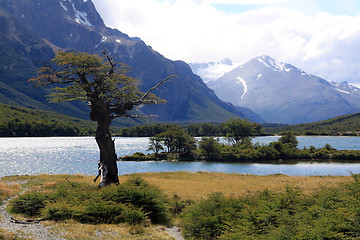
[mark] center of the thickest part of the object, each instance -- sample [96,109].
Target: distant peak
[226,61]
[274,64]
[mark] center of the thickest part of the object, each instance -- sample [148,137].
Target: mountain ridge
[282,93]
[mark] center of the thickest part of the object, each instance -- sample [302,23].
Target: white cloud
[244,2]
[195,31]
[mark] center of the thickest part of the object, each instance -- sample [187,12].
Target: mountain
[212,70]
[76,25]
[282,93]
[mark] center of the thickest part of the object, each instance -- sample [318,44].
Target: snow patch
[259,76]
[276,65]
[103,39]
[63,6]
[262,61]
[242,81]
[342,91]
[81,17]
[118,40]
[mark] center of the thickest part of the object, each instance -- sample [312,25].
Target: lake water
[73,155]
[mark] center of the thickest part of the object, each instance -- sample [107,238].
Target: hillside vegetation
[346,125]
[21,122]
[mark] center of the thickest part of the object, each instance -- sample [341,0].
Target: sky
[321,37]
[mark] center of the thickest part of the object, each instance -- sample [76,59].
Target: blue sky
[322,37]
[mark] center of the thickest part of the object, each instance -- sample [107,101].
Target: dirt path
[26,230]
[174,232]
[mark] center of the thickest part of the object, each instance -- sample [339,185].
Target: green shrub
[331,213]
[29,204]
[133,202]
[142,195]
[208,218]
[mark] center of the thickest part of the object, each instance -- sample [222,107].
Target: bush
[133,202]
[142,195]
[29,204]
[331,213]
[208,218]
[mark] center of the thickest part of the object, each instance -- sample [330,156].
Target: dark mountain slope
[75,24]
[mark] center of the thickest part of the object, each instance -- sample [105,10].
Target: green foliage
[210,148]
[238,130]
[205,129]
[80,74]
[176,140]
[140,194]
[23,122]
[29,204]
[331,213]
[289,138]
[194,129]
[347,125]
[146,130]
[133,202]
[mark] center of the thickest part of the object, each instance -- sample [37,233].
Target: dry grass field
[199,185]
[186,185]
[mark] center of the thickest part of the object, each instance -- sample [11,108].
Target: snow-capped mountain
[212,70]
[282,93]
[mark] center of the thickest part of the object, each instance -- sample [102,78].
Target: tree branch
[110,60]
[141,100]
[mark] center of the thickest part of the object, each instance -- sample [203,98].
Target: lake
[79,155]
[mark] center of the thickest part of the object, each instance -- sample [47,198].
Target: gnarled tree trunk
[108,169]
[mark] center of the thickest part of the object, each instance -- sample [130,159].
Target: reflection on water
[72,155]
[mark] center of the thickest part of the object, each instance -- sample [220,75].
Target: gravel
[26,230]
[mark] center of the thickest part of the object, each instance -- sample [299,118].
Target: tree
[238,130]
[176,140]
[289,138]
[109,92]
[210,148]
[155,144]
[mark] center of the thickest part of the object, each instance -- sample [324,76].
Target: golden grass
[7,190]
[5,235]
[199,185]
[74,230]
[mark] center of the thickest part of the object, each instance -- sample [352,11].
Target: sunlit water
[73,155]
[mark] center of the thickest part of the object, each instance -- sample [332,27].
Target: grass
[5,235]
[199,185]
[73,230]
[7,190]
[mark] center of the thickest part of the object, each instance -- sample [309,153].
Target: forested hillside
[346,125]
[20,122]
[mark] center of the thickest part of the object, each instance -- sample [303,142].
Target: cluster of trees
[176,143]
[33,128]
[194,129]
[146,130]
